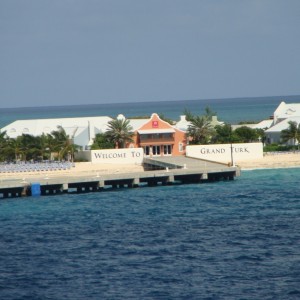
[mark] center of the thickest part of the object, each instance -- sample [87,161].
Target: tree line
[200,131]
[56,145]
[59,146]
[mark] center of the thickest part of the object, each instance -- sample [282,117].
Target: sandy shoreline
[272,161]
[79,170]
[269,161]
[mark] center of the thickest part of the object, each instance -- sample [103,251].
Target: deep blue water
[228,240]
[228,110]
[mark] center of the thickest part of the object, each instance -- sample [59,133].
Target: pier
[158,171]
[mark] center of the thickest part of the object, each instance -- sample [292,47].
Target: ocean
[231,111]
[223,240]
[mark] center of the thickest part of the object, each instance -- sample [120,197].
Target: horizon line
[148,101]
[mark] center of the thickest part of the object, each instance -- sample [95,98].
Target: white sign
[118,156]
[226,153]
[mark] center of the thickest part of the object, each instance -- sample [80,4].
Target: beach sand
[80,169]
[272,161]
[269,161]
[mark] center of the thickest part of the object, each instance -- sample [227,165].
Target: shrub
[276,147]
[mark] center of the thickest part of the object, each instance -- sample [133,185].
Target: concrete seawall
[188,171]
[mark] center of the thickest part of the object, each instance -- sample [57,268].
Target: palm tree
[291,133]
[15,146]
[63,144]
[119,132]
[188,114]
[4,147]
[209,113]
[31,147]
[200,130]
[45,145]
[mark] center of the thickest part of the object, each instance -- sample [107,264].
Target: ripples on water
[226,240]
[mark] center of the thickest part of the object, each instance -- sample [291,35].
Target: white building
[285,111]
[283,114]
[183,124]
[81,130]
[265,124]
[135,123]
[273,133]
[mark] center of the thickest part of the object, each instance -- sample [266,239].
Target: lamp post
[298,128]
[231,150]
[231,147]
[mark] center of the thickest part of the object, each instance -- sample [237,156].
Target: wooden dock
[161,171]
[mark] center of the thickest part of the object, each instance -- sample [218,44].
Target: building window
[180,147]
[167,149]
[147,150]
[156,150]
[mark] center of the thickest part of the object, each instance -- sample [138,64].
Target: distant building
[279,121]
[273,133]
[283,114]
[285,111]
[265,124]
[158,137]
[154,135]
[183,124]
[81,130]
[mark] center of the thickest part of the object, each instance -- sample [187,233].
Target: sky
[69,52]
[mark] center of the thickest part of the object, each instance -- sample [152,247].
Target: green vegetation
[200,131]
[188,114]
[246,134]
[119,132]
[223,134]
[63,144]
[57,145]
[291,133]
[209,113]
[101,142]
[279,148]
[60,146]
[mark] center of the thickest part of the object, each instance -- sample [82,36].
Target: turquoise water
[224,240]
[228,110]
